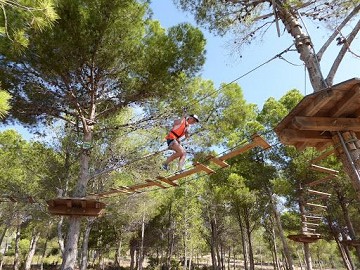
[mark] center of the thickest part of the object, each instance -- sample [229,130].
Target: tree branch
[337,31]
[345,47]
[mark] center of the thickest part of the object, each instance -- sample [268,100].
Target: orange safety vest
[175,134]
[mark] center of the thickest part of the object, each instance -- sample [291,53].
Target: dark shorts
[169,142]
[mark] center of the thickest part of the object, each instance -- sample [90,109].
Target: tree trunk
[349,154]
[3,234]
[85,245]
[348,222]
[213,244]
[133,246]
[71,246]
[344,254]
[275,249]
[303,44]
[248,233]
[29,257]
[118,254]
[141,249]
[17,248]
[286,248]
[44,253]
[304,229]
[243,237]
[60,235]
[170,238]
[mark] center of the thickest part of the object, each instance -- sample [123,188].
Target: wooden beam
[140,186]
[318,102]
[323,169]
[166,180]
[323,156]
[291,136]
[326,123]
[238,151]
[320,181]
[184,174]
[320,193]
[155,183]
[310,229]
[204,168]
[260,142]
[218,161]
[311,224]
[314,217]
[316,205]
[347,100]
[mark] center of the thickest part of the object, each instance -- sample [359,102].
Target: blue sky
[274,79]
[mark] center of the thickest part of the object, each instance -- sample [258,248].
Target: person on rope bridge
[180,129]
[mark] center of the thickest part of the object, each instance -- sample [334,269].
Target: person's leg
[179,153]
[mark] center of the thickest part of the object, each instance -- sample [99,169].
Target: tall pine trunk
[243,237]
[71,245]
[343,252]
[85,245]
[248,233]
[286,249]
[34,239]
[17,247]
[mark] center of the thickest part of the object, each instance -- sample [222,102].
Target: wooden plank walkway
[165,182]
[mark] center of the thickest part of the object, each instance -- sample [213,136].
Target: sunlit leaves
[4,103]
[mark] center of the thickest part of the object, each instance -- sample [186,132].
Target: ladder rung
[317,205]
[323,169]
[316,192]
[218,161]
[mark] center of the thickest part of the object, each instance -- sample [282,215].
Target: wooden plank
[166,180]
[261,142]
[321,99]
[322,146]
[326,123]
[83,203]
[310,229]
[140,186]
[346,101]
[320,181]
[311,224]
[238,151]
[320,193]
[69,203]
[317,205]
[323,156]
[204,168]
[65,211]
[291,136]
[314,217]
[218,161]
[184,174]
[155,183]
[323,169]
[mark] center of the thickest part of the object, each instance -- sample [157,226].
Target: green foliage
[109,43]
[4,103]
[20,17]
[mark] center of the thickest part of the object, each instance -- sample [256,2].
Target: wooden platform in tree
[170,181]
[305,237]
[311,122]
[75,207]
